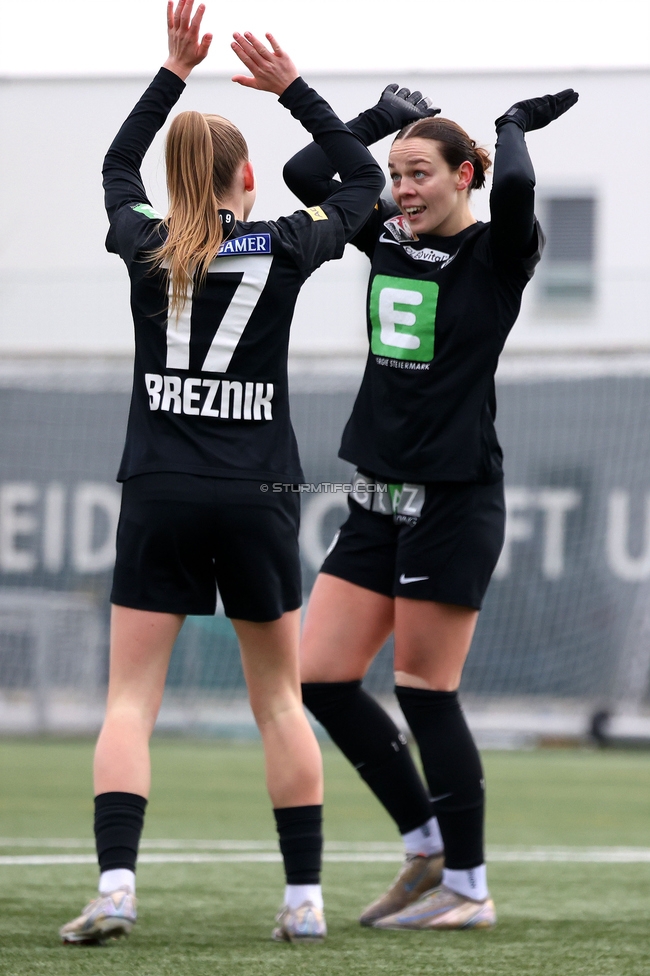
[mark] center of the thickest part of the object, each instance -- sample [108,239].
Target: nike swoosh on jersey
[412,579]
[443,796]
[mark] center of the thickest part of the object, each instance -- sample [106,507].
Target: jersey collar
[228,221]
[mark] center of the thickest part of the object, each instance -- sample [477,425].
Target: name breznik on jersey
[221,399]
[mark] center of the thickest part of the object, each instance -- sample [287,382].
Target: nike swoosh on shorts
[412,579]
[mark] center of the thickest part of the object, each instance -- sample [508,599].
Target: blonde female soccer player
[212,296]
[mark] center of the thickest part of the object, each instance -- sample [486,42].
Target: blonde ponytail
[202,155]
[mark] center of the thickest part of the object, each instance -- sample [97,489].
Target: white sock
[471,883]
[425,840]
[295,895]
[117,878]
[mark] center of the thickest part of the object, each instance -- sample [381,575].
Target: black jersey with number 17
[439,312]
[210,389]
[210,393]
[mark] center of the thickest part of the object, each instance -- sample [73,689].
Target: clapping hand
[535,113]
[407,106]
[272,71]
[185,48]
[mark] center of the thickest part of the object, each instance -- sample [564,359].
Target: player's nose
[405,187]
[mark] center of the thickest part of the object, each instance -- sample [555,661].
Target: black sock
[370,740]
[119,818]
[453,770]
[301,842]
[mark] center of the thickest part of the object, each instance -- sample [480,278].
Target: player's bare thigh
[432,641]
[345,627]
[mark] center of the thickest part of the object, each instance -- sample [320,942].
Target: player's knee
[129,719]
[326,698]
[427,679]
[278,709]
[356,723]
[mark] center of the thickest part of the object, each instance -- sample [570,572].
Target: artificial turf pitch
[554,918]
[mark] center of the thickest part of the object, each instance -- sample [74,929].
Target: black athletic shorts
[429,542]
[180,536]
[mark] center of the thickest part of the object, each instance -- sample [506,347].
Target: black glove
[393,111]
[406,106]
[535,113]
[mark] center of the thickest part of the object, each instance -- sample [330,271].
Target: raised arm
[512,200]
[362,178]
[309,174]
[121,169]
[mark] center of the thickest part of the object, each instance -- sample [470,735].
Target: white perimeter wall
[60,292]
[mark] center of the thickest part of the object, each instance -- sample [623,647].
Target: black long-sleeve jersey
[439,311]
[210,390]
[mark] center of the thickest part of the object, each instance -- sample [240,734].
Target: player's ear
[249,176]
[465,175]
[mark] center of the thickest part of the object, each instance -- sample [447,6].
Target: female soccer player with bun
[212,295]
[426,519]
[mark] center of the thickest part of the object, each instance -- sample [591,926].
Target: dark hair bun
[481,166]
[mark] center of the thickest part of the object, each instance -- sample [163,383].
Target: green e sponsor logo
[403,317]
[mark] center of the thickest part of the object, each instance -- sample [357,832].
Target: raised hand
[272,71]
[535,113]
[185,48]
[407,106]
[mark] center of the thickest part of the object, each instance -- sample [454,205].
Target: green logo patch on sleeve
[148,211]
[403,318]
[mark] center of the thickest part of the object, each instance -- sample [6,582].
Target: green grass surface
[572,919]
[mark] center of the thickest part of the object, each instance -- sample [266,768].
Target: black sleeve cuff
[297,88]
[517,120]
[170,80]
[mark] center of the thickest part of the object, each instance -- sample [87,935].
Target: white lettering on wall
[93,500]
[18,524]
[36,533]
[54,527]
[519,527]
[521,506]
[555,503]
[621,562]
